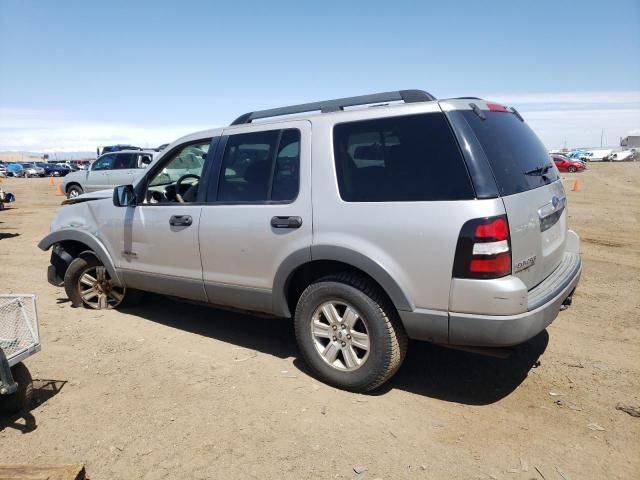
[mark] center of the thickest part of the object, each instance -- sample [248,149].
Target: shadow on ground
[428,369]
[24,421]
[8,235]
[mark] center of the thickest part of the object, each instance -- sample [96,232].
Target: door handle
[286,222]
[180,220]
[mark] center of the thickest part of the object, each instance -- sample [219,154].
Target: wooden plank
[42,472]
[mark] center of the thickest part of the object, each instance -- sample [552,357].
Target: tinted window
[125,160]
[412,158]
[286,174]
[515,153]
[105,162]
[253,162]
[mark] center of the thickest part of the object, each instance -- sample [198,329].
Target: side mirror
[124,196]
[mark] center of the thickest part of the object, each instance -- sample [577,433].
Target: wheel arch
[298,271]
[77,242]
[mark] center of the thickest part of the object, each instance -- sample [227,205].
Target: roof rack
[408,96]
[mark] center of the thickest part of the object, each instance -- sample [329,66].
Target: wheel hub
[340,335]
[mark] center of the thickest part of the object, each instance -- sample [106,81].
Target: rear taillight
[484,249]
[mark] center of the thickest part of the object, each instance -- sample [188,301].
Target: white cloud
[47,131]
[576,118]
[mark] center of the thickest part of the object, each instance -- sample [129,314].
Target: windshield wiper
[541,170]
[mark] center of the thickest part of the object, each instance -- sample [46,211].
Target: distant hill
[19,156]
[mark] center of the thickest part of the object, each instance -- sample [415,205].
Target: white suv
[442,221]
[109,170]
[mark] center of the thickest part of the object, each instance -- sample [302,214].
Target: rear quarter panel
[414,242]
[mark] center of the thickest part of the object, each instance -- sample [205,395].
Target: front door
[157,247]
[258,213]
[98,173]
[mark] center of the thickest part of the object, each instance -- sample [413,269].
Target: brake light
[484,249]
[496,107]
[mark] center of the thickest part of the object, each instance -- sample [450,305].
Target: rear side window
[261,167]
[396,159]
[518,158]
[125,160]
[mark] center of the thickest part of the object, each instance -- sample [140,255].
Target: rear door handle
[180,220]
[286,222]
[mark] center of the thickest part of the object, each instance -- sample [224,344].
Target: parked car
[109,170]
[565,164]
[32,170]
[623,156]
[15,170]
[3,170]
[54,169]
[394,233]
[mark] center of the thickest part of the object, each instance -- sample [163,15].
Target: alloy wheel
[340,335]
[96,289]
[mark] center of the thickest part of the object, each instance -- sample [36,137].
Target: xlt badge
[524,264]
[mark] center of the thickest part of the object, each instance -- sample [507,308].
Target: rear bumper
[545,302]
[498,313]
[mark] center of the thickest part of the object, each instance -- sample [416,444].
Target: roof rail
[408,96]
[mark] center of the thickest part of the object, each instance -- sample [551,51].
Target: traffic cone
[59,191]
[576,186]
[51,183]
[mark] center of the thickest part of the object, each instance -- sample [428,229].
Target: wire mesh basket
[19,329]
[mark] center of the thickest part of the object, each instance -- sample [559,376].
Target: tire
[74,190]
[100,294]
[18,401]
[387,340]
[1,206]
[572,169]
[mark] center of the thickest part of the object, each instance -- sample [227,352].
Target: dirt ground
[172,390]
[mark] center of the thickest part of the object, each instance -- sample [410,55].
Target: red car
[565,164]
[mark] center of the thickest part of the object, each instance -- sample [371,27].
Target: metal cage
[19,328]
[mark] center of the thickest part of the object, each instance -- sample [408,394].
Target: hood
[87,197]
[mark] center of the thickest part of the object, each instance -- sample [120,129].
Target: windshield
[519,160]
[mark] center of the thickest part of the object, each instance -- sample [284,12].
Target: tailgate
[538,227]
[528,182]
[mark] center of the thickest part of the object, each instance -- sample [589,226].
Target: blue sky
[74,74]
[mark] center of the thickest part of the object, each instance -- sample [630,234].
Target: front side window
[105,162]
[260,167]
[395,159]
[178,180]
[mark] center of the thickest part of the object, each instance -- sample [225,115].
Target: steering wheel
[179,185]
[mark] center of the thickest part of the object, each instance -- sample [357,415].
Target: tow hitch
[568,301]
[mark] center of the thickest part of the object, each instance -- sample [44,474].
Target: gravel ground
[174,390]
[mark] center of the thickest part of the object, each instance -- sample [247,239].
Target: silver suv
[410,217]
[109,170]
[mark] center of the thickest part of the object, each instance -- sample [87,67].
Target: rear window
[395,159]
[517,157]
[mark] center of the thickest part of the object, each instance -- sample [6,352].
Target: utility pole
[601,136]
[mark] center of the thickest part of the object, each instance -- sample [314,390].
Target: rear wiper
[538,170]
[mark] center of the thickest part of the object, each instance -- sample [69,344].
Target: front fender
[92,243]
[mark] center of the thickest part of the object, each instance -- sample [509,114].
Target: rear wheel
[73,191]
[349,333]
[20,399]
[88,284]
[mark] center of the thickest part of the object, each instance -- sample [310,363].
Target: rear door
[531,190]
[258,212]
[123,169]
